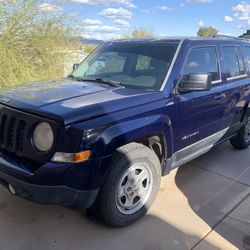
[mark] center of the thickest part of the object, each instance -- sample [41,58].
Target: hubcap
[134,188]
[247,130]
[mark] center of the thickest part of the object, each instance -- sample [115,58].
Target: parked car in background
[128,114]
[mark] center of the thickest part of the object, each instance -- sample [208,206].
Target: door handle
[220,97]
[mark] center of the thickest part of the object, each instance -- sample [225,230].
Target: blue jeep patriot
[128,114]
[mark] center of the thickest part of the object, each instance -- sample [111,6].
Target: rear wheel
[130,187]
[242,139]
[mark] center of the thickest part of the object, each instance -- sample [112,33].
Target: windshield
[142,65]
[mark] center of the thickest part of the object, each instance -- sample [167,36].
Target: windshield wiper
[99,80]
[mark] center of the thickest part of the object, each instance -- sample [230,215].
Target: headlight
[43,137]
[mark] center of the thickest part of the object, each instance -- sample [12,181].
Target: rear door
[235,84]
[200,115]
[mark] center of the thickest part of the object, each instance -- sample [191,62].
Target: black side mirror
[75,65]
[195,82]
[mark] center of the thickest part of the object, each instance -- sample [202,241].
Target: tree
[139,33]
[207,31]
[33,43]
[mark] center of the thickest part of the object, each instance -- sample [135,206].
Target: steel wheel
[247,131]
[134,188]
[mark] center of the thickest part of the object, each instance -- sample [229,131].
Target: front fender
[125,132]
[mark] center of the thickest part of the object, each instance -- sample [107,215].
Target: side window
[241,62]
[202,60]
[143,63]
[233,61]
[248,56]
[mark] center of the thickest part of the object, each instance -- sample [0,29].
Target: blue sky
[107,19]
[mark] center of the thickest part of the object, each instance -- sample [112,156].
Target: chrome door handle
[220,97]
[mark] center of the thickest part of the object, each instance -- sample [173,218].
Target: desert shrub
[139,32]
[89,48]
[33,43]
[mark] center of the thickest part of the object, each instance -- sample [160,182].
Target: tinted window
[241,61]
[233,61]
[248,56]
[202,60]
[141,65]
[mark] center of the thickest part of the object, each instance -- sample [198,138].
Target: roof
[179,39]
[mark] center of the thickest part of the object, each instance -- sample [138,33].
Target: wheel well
[157,144]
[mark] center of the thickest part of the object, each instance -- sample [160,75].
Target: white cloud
[201,23]
[101,28]
[242,11]
[182,5]
[47,7]
[121,22]
[119,13]
[102,32]
[145,11]
[102,36]
[228,19]
[127,3]
[199,1]
[92,21]
[163,7]
[242,26]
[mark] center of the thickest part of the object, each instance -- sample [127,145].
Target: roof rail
[229,37]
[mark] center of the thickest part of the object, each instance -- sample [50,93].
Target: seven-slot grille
[12,132]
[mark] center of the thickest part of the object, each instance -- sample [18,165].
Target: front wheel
[242,139]
[130,186]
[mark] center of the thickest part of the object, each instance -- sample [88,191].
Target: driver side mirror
[195,82]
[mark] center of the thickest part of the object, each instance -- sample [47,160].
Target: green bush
[33,43]
[139,32]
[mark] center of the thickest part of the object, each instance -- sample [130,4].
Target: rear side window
[143,63]
[248,56]
[233,61]
[202,60]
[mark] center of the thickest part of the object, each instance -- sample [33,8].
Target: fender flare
[126,132]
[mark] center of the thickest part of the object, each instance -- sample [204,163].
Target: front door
[200,115]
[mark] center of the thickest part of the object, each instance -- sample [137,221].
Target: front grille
[11,133]
[16,129]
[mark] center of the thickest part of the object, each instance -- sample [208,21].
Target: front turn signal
[71,157]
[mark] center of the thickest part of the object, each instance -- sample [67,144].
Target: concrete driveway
[203,205]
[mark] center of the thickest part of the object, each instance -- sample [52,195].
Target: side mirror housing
[75,65]
[195,82]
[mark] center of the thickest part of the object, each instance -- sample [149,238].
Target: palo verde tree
[33,43]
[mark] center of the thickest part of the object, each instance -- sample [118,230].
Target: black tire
[106,206]
[242,139]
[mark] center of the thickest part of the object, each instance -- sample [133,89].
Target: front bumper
[56,195]
[71,185]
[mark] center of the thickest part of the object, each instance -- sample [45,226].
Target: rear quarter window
[248,57]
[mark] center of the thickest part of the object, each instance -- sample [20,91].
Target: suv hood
[68,101]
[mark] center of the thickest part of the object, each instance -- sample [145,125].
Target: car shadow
[215,185]
[28,226]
